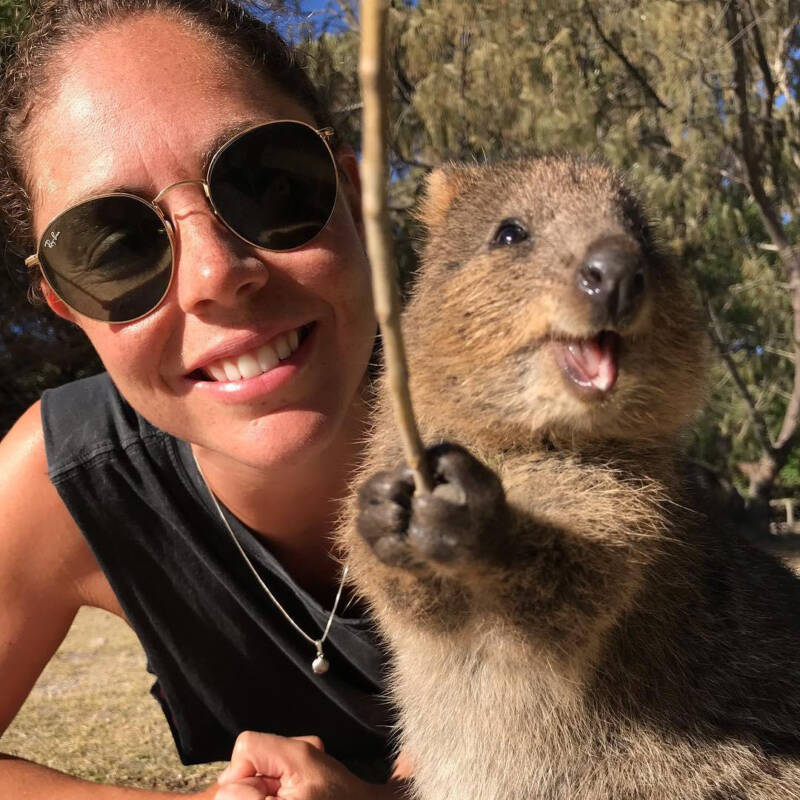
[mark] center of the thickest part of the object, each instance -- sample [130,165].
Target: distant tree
[37,349]
[697,101]
[12,15]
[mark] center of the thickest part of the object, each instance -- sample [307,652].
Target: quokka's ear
[441,186]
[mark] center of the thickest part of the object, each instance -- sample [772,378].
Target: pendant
[320,665]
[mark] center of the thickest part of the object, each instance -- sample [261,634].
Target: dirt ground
[785,546]
[91,714]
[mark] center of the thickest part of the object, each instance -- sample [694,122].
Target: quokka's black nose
[613,276]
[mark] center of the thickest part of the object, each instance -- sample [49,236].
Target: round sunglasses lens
[275,185]
[109,258]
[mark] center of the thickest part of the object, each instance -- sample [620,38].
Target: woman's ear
[350,183]
[56,304]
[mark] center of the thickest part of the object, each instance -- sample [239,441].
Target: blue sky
[313,11]
[315,8]
[313,5]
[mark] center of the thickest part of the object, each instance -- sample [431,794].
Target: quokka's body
[565,621]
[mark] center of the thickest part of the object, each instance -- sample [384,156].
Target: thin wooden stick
[375,182]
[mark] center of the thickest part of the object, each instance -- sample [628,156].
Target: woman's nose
[213,268]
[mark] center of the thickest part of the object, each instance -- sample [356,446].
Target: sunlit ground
[91,713]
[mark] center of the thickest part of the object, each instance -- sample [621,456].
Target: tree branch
[637,74]
[756,417]
[772,459]
[763,63]
[751,153]
[348,11]
[403,84]
[375,177]
[768,101]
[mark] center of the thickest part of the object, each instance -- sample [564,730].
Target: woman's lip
[247,345]
[261,387]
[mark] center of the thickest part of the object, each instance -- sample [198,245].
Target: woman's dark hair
[55,23]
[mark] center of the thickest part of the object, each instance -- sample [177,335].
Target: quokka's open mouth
[592,365]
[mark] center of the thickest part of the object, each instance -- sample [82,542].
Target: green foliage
[12,16]
[648,86]
[790,474]
[37,350]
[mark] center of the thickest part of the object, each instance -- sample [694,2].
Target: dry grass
[91,714]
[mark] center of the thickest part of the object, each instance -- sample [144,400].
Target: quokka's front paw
[455,522]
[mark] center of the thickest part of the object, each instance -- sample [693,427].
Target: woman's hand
[264,766]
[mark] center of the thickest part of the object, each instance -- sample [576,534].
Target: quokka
[565,621]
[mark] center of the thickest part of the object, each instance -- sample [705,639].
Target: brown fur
[606,640]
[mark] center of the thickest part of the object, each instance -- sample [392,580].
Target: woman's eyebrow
[227,133]
[206,154]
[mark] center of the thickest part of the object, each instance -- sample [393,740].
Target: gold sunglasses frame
[33,261]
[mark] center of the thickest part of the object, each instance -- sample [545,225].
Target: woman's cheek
[132,353]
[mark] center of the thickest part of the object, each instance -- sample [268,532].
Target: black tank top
[225,659]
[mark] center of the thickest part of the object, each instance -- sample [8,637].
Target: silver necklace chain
[320,664]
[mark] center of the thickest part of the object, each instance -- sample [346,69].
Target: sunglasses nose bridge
[206,189]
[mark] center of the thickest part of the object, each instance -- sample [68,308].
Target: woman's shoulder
[88,420]
[31,507]
[47,570]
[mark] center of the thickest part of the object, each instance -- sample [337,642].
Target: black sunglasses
[111,257]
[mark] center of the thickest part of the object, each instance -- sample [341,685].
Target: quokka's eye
[509,232]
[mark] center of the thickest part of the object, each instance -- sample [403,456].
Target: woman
[185,212]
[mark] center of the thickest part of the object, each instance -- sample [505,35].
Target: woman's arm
[47,572]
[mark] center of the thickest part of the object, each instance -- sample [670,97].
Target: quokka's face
[545,303]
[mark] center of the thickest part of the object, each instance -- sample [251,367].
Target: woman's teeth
[256,362]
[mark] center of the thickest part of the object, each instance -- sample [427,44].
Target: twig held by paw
[375,178]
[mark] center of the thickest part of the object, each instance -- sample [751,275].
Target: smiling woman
[194,215]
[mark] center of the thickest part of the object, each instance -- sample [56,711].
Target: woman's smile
[256,373]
